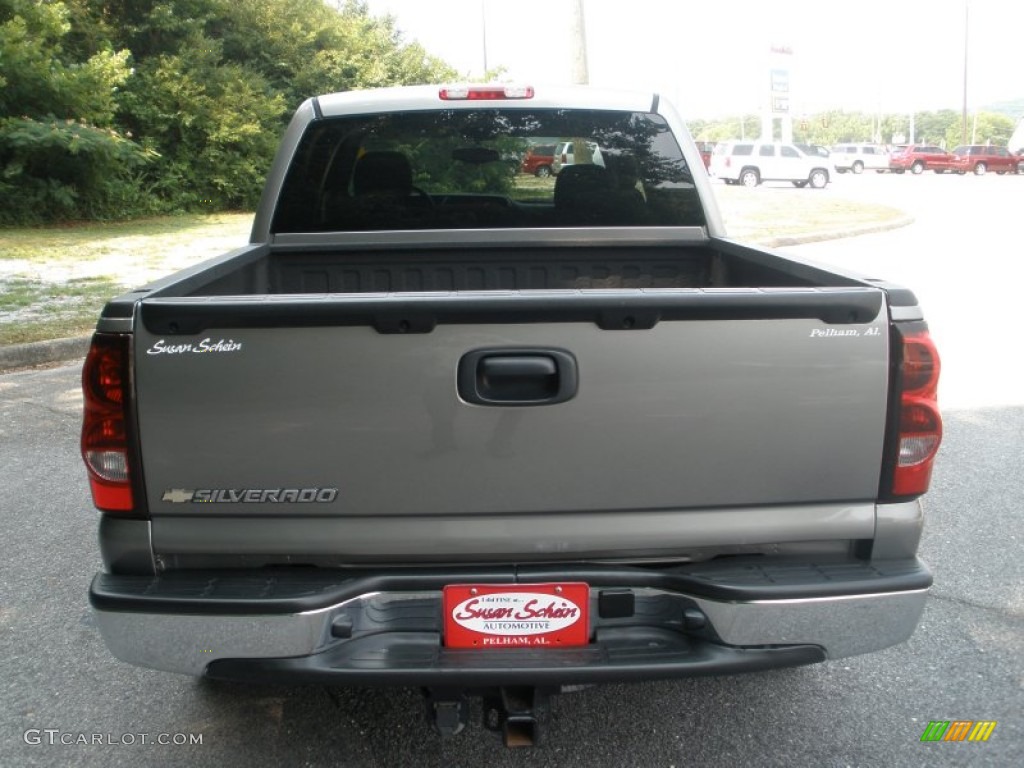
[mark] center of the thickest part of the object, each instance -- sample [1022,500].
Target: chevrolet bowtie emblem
[178,496]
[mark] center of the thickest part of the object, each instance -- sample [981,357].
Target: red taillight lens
[920,367]
[920,425]
[105,445]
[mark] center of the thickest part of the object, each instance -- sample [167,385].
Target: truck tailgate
[683,414]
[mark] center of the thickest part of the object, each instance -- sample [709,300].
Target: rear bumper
[384,627]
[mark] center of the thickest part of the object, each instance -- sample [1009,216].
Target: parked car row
[979,159]
[751,162]
[917,158]
[975,158]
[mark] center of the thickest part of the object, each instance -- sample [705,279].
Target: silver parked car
[857,157]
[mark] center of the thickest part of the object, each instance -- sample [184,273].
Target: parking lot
[66,701]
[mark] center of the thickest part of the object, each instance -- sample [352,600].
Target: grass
[75,242]
[528,185]
[769,214]
[34,310]
[38,297]
[55,280]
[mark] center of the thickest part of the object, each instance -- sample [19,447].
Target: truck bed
[278,271]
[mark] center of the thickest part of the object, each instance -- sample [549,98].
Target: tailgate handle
[517,377]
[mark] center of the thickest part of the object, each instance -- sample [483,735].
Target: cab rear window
[462,169]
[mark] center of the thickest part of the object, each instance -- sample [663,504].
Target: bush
[214,125]
[61,169]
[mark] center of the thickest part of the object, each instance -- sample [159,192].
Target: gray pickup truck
[448,425]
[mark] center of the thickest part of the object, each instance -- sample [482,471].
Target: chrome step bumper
[385,627]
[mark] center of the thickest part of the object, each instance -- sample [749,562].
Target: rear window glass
[462,169]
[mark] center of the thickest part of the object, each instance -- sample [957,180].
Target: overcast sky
[713,58]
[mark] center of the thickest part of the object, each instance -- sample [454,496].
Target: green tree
[305,48]
[61,155]
[214,125]
[114,107]
[934,127]
[982,128]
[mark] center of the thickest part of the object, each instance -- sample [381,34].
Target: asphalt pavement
[58,681]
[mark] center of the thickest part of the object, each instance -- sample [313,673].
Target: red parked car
[919,157]
[980,159]
[538,160]
[706,148]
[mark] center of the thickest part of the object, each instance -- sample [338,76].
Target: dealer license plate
[516,615]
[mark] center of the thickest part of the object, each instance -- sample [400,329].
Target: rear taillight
[918,424]
[105,444]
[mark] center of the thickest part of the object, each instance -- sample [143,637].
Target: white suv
[564,155]
[751,162]
[857,157]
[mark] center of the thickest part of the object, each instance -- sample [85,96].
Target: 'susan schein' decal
[204,347]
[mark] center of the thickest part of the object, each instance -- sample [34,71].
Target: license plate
[516,615]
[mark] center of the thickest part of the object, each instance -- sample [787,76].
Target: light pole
[580,73]
[483,28]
